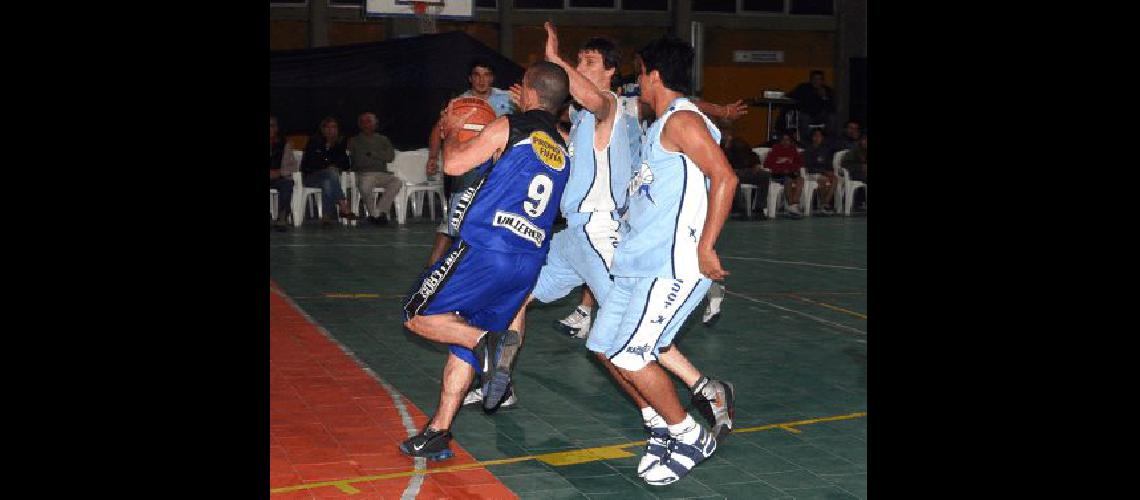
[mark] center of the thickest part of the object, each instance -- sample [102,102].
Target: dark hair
[611,56]
[551,83]
[849,122]
[672,58]
[815,72]
[480,62]
[820,130]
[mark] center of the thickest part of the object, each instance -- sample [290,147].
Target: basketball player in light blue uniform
[679,197]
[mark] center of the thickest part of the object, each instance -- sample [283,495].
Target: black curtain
[859,90]
[405,81]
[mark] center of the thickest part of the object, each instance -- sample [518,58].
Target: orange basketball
[474,124]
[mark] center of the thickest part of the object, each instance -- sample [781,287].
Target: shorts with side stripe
[579,254]
[642,315]
[485,287]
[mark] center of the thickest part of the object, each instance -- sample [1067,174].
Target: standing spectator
[850,136]
[325,156]
[817,160]
[785,162]
[371,153]
[280,174]
[815,105]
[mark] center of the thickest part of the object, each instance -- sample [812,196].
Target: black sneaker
[430,444]
[499,350]
[716,401]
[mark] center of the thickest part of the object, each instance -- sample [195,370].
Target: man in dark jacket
[815,105]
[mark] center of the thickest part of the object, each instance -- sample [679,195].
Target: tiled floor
[792,339]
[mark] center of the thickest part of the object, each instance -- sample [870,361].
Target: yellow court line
[559,458]
[829,306]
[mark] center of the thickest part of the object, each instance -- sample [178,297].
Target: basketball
[474,124]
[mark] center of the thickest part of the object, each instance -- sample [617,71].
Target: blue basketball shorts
[485,287]
[579,254]
[642,315]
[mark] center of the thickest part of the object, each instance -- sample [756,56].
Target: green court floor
[792,339]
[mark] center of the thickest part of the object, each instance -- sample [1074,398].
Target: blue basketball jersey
[598,178]
[668,198]
[512,205]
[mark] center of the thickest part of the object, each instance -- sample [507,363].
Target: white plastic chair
[409,167]
[810,183]
[348,183]
[846,185]
[273,203]
[376,192]
[775,190]
[302,195]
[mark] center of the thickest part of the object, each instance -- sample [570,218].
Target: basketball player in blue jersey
[679,198]
[468,298]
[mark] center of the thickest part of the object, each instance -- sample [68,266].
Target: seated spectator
[325,156]
[855,161]
[371,153]
[746,164]
[849,138]
[817,160]
[281,169]
[815,103]
[785,162]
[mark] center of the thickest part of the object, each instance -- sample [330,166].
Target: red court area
[330,421]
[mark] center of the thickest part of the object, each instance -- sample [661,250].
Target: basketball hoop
[426,16]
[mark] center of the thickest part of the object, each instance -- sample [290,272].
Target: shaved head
[550,82]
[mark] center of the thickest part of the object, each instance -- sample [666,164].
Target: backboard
[463,10]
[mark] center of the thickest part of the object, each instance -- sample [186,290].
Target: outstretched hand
[735,110]
[709,265]
[516,95]
[551,41]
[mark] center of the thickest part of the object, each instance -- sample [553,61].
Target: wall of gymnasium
[723,81]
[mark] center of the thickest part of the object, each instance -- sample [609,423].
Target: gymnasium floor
[792,339]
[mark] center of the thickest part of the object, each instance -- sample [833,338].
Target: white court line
[782,308]
[796,262]
[409,426]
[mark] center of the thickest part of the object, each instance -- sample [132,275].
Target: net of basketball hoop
[426,14]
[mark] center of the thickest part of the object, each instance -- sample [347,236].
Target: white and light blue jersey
[598,179]
[668,199]
[500,101]
[635,127]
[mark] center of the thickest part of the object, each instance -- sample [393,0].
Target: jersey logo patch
[639,185]
[521,226]
[547,150]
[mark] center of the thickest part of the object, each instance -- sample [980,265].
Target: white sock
[652,418]
[684,427]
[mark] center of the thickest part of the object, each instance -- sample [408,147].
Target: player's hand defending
[735,110]
[516,95]
[551,42]
[709,264]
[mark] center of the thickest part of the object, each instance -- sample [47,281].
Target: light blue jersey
[598,178]
[668,199]
[499,99]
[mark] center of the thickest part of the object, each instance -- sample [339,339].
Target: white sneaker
[794,209]
[712,312]
[576,325]
[475,396]
[656,446]
[684,452]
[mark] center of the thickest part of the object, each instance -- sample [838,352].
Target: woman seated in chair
[785,162]
[280,173]
[817,160]
[325,157]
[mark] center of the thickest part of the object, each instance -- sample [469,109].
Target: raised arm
[729,111]
[459,157]
[587,94]
[685,132]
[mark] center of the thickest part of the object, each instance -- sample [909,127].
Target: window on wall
[813,7]
[728,6]
[486,4]
[776,6]
[539,4]
[645,4]
[591,4]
